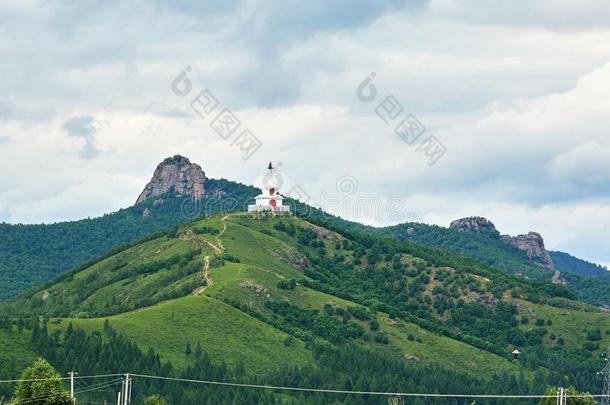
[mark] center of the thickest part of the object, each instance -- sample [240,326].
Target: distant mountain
[567,263]
[524,255]
[483,246]
[532,243]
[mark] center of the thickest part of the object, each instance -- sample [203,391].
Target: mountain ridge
[34,254]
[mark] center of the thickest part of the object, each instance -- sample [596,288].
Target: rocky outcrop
[476,224]
[533,244]
[292,257]
[177,175]
[557,279]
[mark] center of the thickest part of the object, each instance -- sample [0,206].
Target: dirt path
[206,271]
[224,229]
[206,276]
[189,234]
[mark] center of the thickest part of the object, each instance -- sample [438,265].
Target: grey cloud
[82,127]
[197,7]
[549,14]
[295,18]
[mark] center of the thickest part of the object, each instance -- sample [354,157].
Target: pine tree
[198,350]
[48,391]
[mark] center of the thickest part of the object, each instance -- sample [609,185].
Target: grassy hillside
[225,333]
[263,293]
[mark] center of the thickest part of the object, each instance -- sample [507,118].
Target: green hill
[263,294]
[33,254]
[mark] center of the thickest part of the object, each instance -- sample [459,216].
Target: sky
[379,111]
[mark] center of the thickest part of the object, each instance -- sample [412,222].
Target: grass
[225,333]
[430,348]
[571,325]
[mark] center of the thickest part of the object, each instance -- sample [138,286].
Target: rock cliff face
[178,175]
[533,244]
[475,224]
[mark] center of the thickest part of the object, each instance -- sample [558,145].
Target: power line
[57,378]
[100,386]
[92,388]
[377,393]
[107,384]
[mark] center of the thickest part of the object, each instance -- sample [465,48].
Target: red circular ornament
[273,203]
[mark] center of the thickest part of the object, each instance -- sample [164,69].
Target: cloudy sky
[515,93]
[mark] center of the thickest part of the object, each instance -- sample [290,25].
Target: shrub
[288,341]
[382,338]
[594,334]
[287,284]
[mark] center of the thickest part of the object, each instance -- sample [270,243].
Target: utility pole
[129,393]
[606,375]
[127,390]
[562,398]
[71,374]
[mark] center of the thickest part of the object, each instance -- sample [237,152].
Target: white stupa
[269,199]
